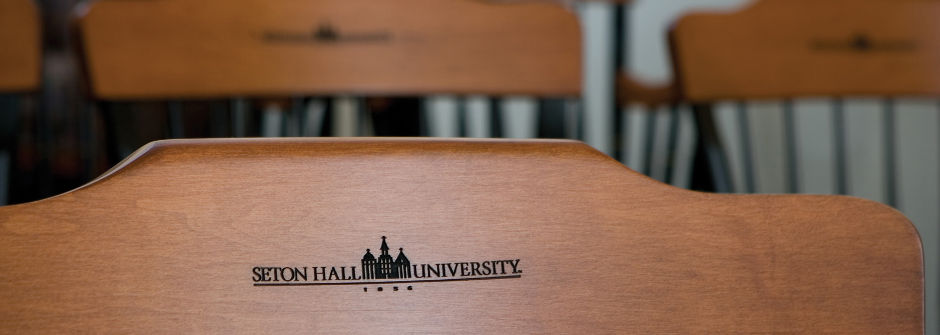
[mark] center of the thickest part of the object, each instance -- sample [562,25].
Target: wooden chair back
[272,235]
[778,49]
[20,54]
[785,49]
[185,49]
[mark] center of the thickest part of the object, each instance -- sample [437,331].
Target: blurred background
[60,132]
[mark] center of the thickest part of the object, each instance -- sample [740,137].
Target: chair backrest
[783,49]
[311,235]
[778,49]
[169,48]
[20,54]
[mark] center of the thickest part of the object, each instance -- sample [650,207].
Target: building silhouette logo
[382,268]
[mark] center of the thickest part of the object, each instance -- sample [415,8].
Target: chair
[443,236]
[798,49]
[300,49]
[19,76]
[793,49]
[19,58]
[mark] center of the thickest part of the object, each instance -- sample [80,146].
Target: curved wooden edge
[329,47]
[172,238]
[156,151]
[632,91]
[20,56]
[790,49]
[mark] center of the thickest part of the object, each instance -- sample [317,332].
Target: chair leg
[174,115]
[9,122]
[672,142]
[314,114]
[711,171]
[111,128]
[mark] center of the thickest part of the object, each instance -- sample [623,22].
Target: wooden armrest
[456,236]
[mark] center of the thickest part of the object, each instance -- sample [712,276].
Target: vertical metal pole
[747,156]
[789,133]
[88,135]
[292,126]
[890,156]
[239,114]
[711,166]
[620,63]
[314,117]
[175,119]
[672,142]
[9,113]
[650,142]
[217,118]
[838,140]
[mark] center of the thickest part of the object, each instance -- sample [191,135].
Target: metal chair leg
[711,172]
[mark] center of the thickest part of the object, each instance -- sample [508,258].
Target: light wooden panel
[167,242]
[836,47]
[170,48]
[20,41]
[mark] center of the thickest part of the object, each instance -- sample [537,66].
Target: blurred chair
[161,50]
[778,49]
[20,49]
[784,49]
[267,235]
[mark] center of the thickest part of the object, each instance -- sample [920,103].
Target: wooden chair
[272,235]
[20,56]
[783,50]
[792,49]
[290,48]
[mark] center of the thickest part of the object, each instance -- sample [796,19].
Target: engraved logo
[398,272]
[862,43]
[325,33]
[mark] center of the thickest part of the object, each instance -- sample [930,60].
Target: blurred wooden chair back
[160,50]
[814,59]
[179,49]
[20,55]
[778,49]
[20,59]
[441,236]
[787,49]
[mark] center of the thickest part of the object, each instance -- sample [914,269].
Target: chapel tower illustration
[384,267]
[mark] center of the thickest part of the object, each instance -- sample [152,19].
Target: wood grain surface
[782,48]
[170,239]
[19,46]
[171,48]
